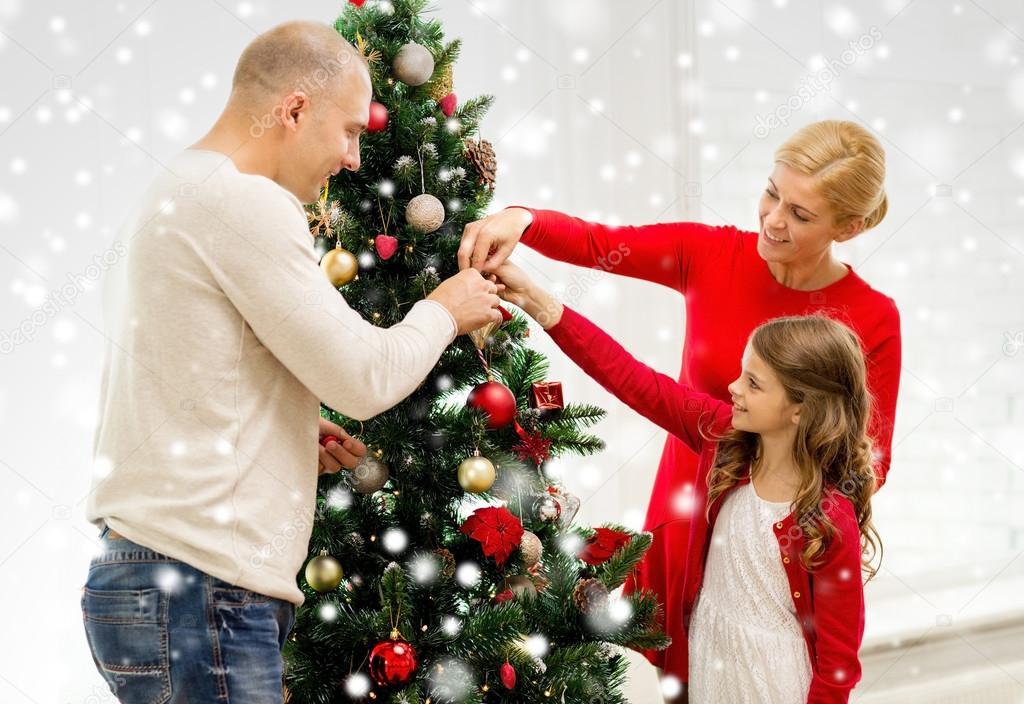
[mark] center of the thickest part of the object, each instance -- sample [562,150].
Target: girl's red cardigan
[829,601]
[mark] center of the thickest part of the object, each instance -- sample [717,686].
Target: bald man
[224,338]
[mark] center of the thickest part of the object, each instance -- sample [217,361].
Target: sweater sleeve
[665,253]
[838,596]
[263,259]
[676,407]
[884,365]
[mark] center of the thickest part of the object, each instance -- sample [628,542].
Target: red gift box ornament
[546,397]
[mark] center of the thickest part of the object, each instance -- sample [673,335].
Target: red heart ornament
[386,246]
[448,104]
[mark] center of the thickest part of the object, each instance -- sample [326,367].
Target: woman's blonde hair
[848,164]
[820,365]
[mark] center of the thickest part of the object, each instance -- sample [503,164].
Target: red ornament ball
[327,438]
[392,662]
[378,121]
[357,3]
[496,400]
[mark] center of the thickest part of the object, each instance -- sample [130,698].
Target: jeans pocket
[128,635]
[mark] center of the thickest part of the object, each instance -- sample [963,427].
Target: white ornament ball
[425,213]
[413,64]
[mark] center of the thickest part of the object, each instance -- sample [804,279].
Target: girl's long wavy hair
[819,362]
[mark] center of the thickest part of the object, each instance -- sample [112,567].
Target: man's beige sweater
[223,338]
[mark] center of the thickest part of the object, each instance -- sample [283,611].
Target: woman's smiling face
[796,223]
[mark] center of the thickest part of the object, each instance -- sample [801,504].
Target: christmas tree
[446,567]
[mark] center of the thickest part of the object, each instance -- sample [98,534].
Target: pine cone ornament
[481,156]
[590,596]
[447,560]
[442,85]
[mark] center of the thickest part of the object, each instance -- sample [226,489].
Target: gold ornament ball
[521,586]
[324,573]
[476,474]
[369,475]
[413,65]
[424,213]
[531,548]
[340,265]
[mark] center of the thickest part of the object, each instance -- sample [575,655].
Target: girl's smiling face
[760,402]
[796,223]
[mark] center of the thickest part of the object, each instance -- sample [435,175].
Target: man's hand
[470,298]
[344,453]
[499,232]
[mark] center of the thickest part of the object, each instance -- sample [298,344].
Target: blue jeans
[162,631]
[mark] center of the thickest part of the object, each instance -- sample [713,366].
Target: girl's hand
[516,287]
[517,284]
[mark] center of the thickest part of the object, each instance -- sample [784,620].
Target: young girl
[773,602]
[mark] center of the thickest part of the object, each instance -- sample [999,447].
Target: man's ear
[296,105]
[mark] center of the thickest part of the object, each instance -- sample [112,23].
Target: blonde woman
[827,186]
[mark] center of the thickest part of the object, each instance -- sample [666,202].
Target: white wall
[621,112]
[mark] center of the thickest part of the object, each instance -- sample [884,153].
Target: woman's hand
[499,232]
[520,290]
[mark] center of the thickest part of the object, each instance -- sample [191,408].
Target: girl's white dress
[745,642]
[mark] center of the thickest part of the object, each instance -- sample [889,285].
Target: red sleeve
[663,253]
[676,407]
[884,365]
[837,592]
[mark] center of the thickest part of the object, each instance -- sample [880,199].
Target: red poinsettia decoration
[603,545]
[497,530]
